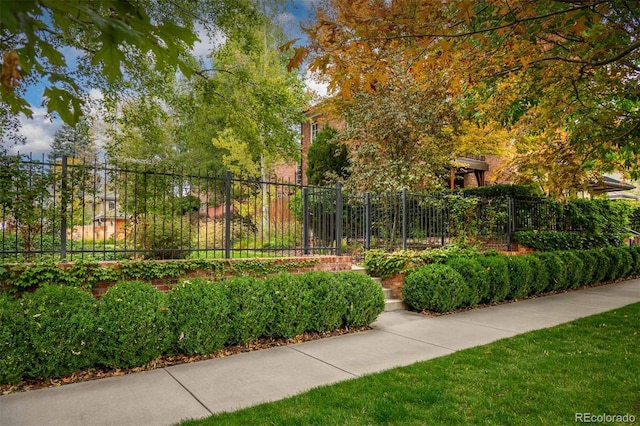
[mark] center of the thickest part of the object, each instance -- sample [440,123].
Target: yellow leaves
[10,73]
[238,158]
[466,11]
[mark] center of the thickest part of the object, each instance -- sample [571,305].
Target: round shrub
[15,355]
[251,307]
[329,304]
[589,262]
[364,297]
[291,304]
[133,325]
[555,267]
[437,288]
[520,277]
[574,268]
[539,274]
[619,263]
[474,275]
[199,316]
[627,261]
[499,286]
[60,327]
[634,251]
[601,265]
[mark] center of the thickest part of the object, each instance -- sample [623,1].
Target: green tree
[73,141]
[328,159]
[110,37]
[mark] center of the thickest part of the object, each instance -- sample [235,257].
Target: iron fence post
[443,218]
[510,222]
[305,219]
[367,221]
[404,218]
[63,211]
[227,215]
[339,219]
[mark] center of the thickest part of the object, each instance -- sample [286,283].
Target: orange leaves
[11,73]
[466,11]
[299,55]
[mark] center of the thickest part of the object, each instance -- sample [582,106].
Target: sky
[40,129]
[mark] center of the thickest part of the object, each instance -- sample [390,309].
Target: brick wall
[321,263]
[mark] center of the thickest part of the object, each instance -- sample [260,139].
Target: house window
[314,130]
[112,205]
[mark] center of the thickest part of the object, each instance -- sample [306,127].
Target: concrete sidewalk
[168,395]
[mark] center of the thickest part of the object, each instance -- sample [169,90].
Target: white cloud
[38,132]
[208,42]
[317,87]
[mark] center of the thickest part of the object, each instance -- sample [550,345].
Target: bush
[164,238]
[437,288]
[199,316]
[589,262]
[134,327]
[619,263]
[508,190]
[474,275]
[574,268]
[251,307]
[601,265]
[499,286]
[15,358]
[539,274]
[380,263]
[555,267]
[291,304]
[60,329]
[569,240]
[329,304]
[627,262]
[365,299]
[520,277]
[635,255]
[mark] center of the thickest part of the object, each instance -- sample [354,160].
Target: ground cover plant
[542,377]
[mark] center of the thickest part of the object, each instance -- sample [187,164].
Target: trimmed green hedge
[555,240]
[60,329]
[199,317]
[442,288]
[133,325]
[476,277]
[437,288]
[498,272]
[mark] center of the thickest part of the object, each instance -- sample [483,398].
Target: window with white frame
[314,130]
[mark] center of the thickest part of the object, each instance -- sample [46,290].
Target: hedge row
[60,329]
[555,240]
[467,281]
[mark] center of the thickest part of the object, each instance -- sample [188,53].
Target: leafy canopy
[109,38]
[561,76]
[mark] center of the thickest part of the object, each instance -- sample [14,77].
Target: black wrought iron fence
[70,209]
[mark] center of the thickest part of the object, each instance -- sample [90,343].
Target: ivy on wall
[18,277]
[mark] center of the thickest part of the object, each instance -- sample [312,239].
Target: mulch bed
[168,361]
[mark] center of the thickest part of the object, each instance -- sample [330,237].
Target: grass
[591,365]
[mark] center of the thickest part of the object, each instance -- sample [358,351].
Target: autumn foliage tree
[561,76]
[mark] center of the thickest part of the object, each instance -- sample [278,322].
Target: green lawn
[590,365]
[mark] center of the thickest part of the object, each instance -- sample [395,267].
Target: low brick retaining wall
[297,265]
